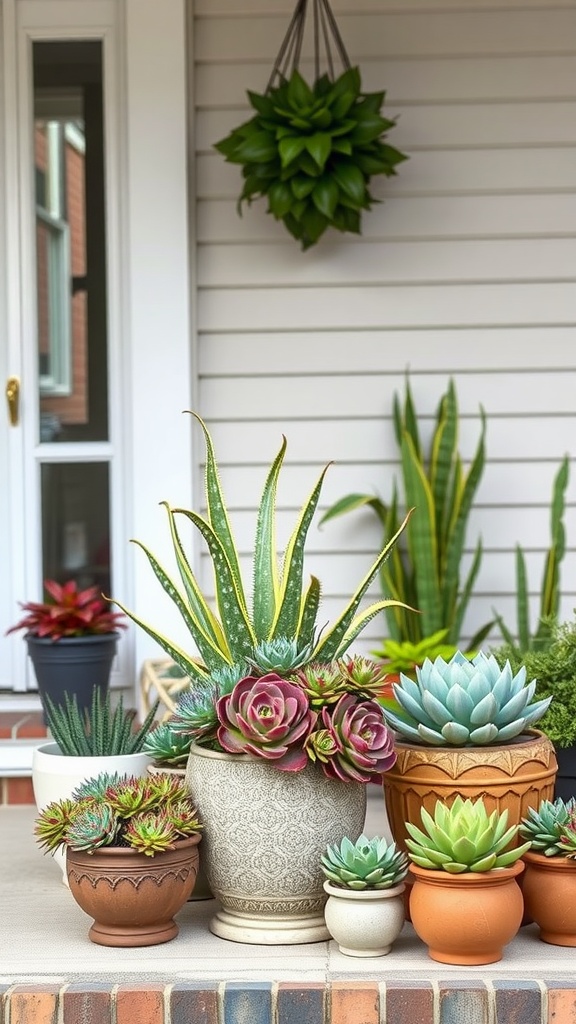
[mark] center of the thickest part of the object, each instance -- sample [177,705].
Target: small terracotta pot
[132,897]
[466,919]
[549,887]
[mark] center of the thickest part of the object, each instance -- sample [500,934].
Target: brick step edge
[336,1002]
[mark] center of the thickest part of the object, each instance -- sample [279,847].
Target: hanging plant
[312,150]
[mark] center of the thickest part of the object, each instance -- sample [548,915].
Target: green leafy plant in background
[554,669]
[423,571]
[102,731]
[526,640]
[311,151]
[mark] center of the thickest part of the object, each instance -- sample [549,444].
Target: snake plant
[424,571]
[463,837]
[283,606]
[464,703]
[365,864]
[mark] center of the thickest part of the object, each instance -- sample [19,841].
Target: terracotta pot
[132,897]
[549,887]
[364,923]
[264,833]
[466,919]
[515,777]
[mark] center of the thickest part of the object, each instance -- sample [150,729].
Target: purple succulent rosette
[353,743]
[269,717]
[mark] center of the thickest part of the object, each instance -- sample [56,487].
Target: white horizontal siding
[466,269]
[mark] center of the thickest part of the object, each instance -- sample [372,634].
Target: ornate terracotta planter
[549,887]
[132,897]
[515,776]
[264,832]
[466,919]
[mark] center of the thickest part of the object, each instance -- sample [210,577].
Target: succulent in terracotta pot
[465,903]
[131,854]
[550,870]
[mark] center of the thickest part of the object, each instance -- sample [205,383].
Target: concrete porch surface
[50,973]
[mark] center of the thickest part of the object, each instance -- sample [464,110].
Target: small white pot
[365,922]
[55,776]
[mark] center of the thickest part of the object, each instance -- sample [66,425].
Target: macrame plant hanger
[327,41]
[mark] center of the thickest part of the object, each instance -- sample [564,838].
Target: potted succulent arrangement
[465,903]
[71,639]
[84,743]
[364,882]
[464,727]
[131,854]
[281,719]
[549,881]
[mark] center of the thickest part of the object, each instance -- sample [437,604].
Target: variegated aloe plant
[283,606]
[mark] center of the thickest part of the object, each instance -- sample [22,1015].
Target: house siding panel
[467,268]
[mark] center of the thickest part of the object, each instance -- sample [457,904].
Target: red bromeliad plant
[70,613]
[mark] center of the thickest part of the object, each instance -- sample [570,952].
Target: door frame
[148,294]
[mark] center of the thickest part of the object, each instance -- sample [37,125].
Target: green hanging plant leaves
[312,150]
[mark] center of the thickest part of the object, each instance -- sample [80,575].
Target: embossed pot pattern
[264,833]
[132,897]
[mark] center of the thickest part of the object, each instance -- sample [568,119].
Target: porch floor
[43,937]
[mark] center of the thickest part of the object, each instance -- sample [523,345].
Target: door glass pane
[70,241]
[76,523]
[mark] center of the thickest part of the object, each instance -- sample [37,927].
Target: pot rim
[52,750]
[495,876]
[119,852]
[525,737]
[72,641]
[555,863]
[363,894]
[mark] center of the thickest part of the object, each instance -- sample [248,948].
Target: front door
[70,457]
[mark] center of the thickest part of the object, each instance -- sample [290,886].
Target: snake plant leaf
[265,572]
[185,661]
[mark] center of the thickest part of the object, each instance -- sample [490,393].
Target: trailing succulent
[552,828]
[464,703]
[284,609]
[148,814]
[462,838]
[102,730]
[365,864]
[311,151]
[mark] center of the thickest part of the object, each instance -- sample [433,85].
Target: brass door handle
[13,399]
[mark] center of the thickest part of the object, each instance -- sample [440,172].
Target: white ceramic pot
[366,922]
[264,833]
[55,776]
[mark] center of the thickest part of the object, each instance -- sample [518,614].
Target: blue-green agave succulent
[283,605]
[464,702]
[365,864]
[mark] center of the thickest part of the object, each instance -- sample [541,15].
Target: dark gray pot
[73,665]
[566,777]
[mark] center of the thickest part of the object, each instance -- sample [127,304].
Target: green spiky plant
[423,571]
[168,746]
[283,607]
[551,828]
[99,732]
[149,814]
[365,864]
[539,639]
[463,837]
